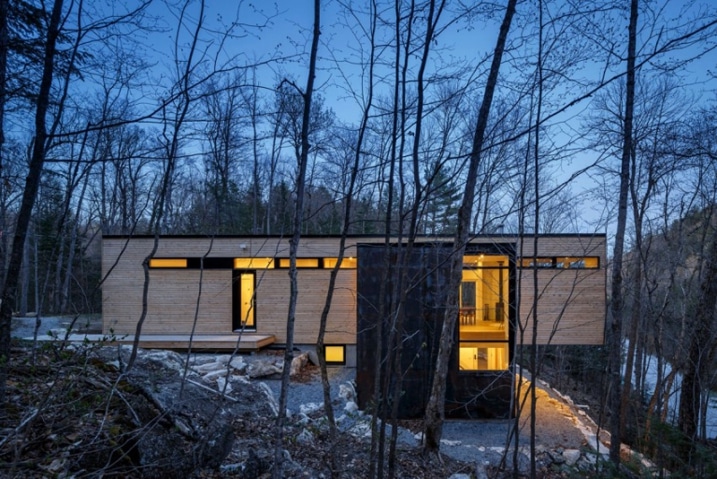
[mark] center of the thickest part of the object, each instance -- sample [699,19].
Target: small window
[536,263]
[168,263]
[346,263]
[562,262]
[335,354]
[483,356]
[590,262]
[300,262]
[253,263]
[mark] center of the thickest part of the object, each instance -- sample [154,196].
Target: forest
[404,118]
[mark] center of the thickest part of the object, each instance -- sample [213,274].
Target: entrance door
[244,310]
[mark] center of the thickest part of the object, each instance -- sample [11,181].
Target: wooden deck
[211,342]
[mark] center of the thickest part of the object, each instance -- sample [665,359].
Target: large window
[483,323]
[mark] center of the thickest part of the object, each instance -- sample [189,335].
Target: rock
[311,407]
[459,475]
[238,364]
[556,457]
[211,367]
[313,357]
[223,386]
[263,368]
[347,391]
[298,364]
[305,437]
[271,400]
[213,376]
[481,472]
[571,456]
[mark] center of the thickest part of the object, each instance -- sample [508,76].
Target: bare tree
[616,297]
[433,420]
[32,184]
[303,158]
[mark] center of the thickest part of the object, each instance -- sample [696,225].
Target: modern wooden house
[231,291]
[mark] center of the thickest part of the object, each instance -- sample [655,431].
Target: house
[233,291]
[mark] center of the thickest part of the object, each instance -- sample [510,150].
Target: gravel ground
[558,424]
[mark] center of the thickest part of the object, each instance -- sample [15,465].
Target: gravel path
[558,424]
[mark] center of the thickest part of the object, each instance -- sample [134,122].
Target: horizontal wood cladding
[225,247]
[568,245]
[571,306]
[173,293]
[273,292]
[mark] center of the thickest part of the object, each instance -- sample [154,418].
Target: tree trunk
[435,409]
[32,184]
[4,47]
[294,243]
[616,303]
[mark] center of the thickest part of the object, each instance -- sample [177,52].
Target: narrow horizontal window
[253,263]
[562,262]
[335,354]
[168,263]
[300,262]
[346,263]
[537,263]
[589,262]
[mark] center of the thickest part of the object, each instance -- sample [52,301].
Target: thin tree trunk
[277,472]
[172,150]
[4,48]
[333,432]
[616,303]
[536,229]
[435,409]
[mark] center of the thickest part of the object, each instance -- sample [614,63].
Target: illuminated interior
[246,295]
[300,262]
[335,354]
[168,263]
[562,262]
[346,263]
[253,263]
[483,313]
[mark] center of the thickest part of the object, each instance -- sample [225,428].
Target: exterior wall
[173,293]
[571,307]
[571,302]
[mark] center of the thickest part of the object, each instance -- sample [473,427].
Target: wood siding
[571,306]
[571,302]
[173,293]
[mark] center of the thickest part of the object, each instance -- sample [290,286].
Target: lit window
[479,356]
[335,354]
[472,261]
[590,262]
[300,262]
[562,262]
[168,263]
[536,262]
[253,263]
[346,263]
